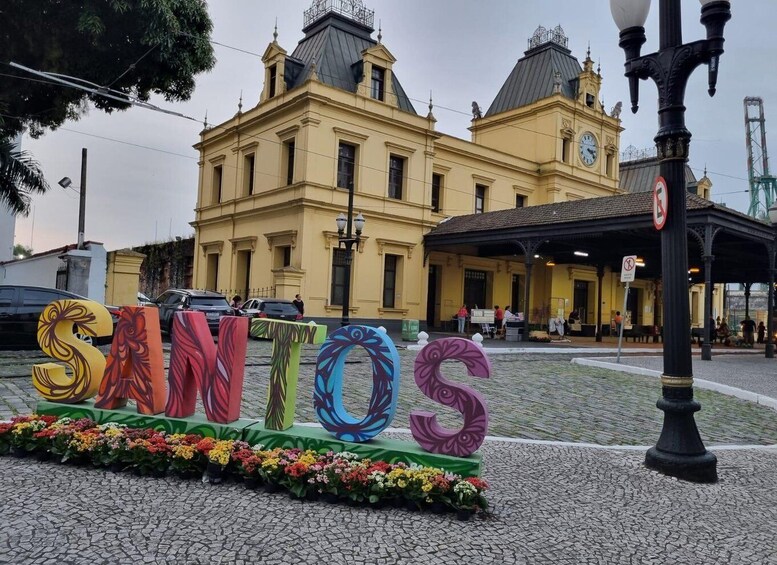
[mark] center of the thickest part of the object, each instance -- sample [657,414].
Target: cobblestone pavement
[530,396]
[550,503]
[560,505]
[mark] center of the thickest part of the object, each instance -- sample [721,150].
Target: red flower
[478,483]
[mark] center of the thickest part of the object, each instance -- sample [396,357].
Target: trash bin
[513,331]
[409,330]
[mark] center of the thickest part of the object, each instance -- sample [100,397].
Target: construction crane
[763,186]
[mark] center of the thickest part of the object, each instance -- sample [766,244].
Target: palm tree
[20,177]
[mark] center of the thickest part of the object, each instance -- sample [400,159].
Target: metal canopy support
[770,307]
[705,236]
[600,279]
[529,248]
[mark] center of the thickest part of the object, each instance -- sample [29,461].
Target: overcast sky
[142,170]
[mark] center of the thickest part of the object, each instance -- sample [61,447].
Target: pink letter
[423,424]
[195,364]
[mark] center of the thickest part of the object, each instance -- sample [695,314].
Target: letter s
[423,424]
[56,339]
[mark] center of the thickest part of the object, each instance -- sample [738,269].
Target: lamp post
[770,307]
[346,237]
[679,451]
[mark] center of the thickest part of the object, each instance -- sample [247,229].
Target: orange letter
[136,367]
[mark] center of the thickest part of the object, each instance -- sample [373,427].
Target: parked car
[273,308]
[144,300]
[213,304]
[21,307]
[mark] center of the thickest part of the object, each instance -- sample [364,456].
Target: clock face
[588,148]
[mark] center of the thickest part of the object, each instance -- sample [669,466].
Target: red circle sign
[660,203]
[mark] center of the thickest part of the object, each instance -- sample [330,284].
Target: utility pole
[82,201]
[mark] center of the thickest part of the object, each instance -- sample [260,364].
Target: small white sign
[660,203]
[629,268]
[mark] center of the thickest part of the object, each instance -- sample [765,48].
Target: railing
[245,294]
[353,9]
[543,35]
[631,153]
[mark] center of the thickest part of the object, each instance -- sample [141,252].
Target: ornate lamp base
[680,452]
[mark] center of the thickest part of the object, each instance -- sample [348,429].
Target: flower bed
[331,476]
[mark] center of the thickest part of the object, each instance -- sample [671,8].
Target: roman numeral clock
[588,149]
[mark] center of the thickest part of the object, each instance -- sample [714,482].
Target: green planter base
[253,432]
[388,450]
[196,424]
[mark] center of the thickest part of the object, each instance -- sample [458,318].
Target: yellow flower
[426,487]
[401,483]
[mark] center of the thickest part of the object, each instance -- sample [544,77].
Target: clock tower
[549,112]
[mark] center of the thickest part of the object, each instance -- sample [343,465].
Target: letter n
[197,365]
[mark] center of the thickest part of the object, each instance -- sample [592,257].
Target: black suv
[213,304]
[20,308]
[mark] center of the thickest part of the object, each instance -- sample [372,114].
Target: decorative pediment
[210,247]
[407,248]
[332,239]
[247,243]
[272,51]
[566,129]
[281,238]
[380,53]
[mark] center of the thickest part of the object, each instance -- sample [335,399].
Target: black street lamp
[346,237]
[679,451]
[770,307]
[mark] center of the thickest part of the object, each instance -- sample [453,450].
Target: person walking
[461,316]
[299,304]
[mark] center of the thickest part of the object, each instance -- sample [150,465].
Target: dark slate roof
[641,174]
[532,78]
[622,205]
[335,43]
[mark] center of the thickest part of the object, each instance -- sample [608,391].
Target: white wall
[42,270]
[37,271]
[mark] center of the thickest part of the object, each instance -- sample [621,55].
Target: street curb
[767,401]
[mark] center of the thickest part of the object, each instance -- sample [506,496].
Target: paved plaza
[552,502]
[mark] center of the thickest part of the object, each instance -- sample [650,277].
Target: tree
[20,250]
[138,48]
[20,176]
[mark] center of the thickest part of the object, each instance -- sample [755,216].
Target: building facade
[333,118]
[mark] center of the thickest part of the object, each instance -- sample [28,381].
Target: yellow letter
[56,339]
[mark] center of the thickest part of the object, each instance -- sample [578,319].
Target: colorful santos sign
[134,370]
[660,203]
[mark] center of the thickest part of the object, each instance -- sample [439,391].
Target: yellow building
[333,117]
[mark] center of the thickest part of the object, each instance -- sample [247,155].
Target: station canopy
[607,229]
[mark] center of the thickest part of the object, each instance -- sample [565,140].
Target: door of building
[580,300]
[475,288]
[632,305]
[432,296]
[516,301]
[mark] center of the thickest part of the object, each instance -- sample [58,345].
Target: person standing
[235,304]
[461,316]
[499,316]
[618,322]
[299,304]
[761,332]
[748,329]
